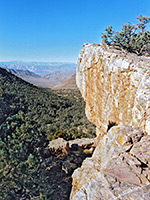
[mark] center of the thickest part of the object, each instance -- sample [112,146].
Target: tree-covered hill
[44,111]
[29,118]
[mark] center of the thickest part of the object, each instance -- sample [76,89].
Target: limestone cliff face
[116,88]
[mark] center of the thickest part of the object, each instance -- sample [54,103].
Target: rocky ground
[61,159]
[119,168]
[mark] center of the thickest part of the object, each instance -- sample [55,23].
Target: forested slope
[29,118]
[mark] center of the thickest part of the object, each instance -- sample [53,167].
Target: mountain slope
[50,107]
[22,73]
[47,80]
[29,118]
[68,84]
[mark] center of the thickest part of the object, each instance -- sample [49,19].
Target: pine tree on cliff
[132,37]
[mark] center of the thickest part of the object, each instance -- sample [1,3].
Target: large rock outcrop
[116,88]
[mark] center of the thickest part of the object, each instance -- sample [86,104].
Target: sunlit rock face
[116,88]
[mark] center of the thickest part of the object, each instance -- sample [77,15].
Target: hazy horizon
[33,61]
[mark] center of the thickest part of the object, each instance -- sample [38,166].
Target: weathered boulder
[116,88]
[58,146]
[57,143]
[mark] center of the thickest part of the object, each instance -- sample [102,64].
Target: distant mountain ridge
[40,67]
[46,80]
[22,73]
[41,74]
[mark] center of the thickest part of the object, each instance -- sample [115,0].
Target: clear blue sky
[55,30]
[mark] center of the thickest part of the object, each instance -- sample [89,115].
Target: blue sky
[55,30]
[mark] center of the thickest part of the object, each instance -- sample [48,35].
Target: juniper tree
[107,36]
[132,37]
[143,20]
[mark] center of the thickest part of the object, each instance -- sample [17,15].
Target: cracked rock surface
[118,169]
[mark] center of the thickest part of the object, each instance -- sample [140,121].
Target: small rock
[59,145]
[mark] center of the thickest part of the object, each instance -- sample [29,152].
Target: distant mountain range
[22,73]
[49,74]
[40,67]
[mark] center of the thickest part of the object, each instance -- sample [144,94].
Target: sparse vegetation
[132,37]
